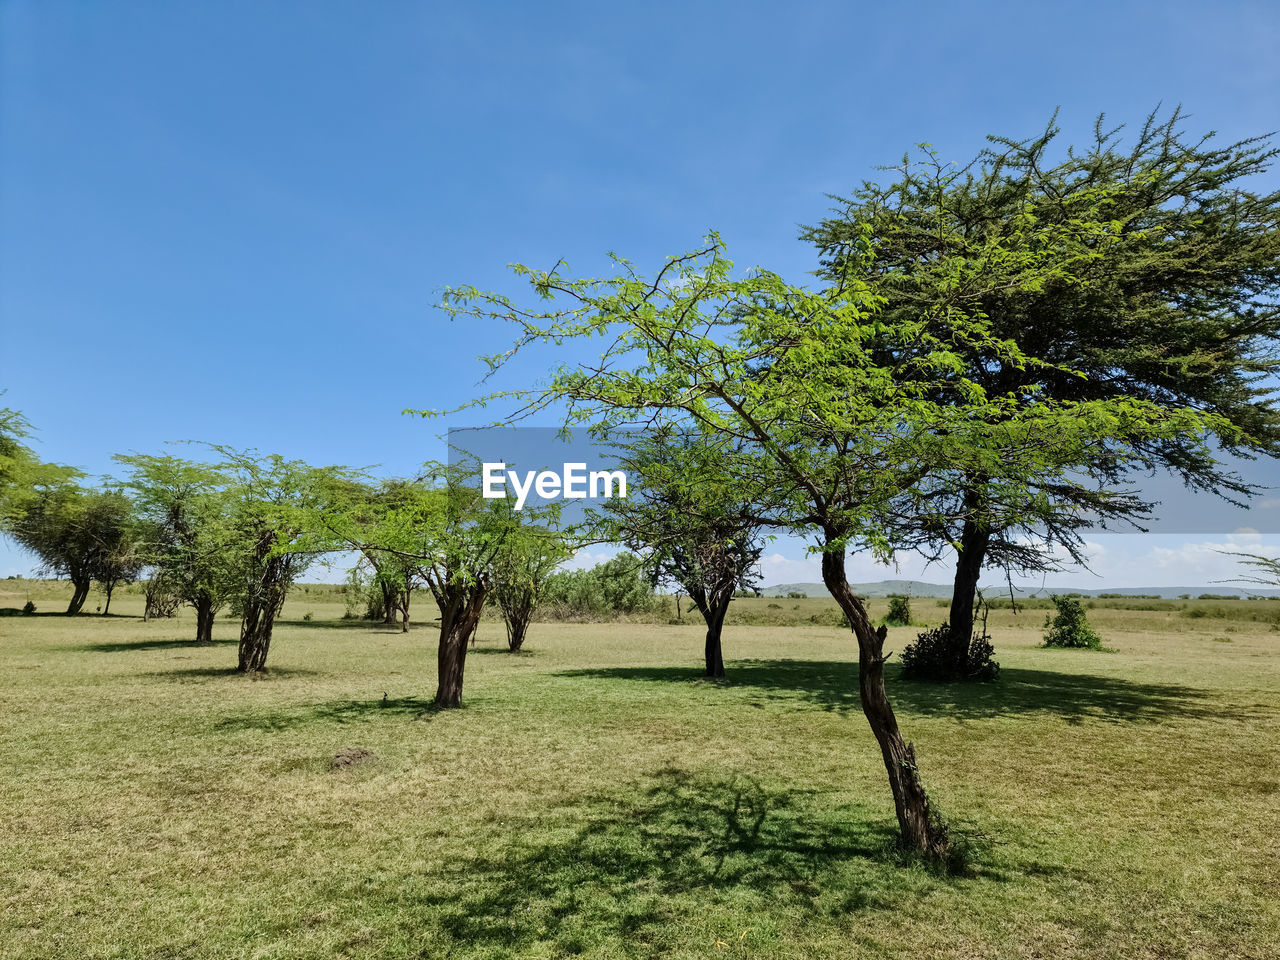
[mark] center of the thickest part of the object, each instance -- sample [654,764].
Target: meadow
[595,797]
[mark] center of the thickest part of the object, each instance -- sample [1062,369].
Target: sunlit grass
[596,797]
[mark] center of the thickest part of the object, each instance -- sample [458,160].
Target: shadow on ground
[833,685]
[343,711]
[632,868]
[124,646]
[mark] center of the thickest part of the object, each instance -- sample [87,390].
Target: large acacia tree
[841,432]
[1171,298]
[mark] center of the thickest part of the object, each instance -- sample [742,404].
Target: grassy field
[596,798]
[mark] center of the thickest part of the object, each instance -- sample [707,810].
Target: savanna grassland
[596,797]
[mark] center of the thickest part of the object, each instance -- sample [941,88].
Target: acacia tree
[524,565]
[271,505]
[82,535]
[188,541]
[440,523]
[686,520]
[1172,301]
[841,433]
[113,531]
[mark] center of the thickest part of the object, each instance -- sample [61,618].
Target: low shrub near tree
[1070,627]
[930,657]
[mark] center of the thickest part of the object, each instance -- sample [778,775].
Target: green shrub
[899,614]
[28,608]
[929,657]
[1070,627]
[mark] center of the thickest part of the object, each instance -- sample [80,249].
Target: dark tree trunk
[969,559]
[390,603]
[109,587]
[205,612]
[921,830]
[714,613]
[79,596]
[459,614]
[401,599]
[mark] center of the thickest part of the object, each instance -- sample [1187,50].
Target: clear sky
[229,221]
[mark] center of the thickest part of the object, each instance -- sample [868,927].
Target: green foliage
[617,586]
[1137,270]
[899,614]
[1070,626]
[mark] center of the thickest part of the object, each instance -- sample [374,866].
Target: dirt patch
[349,757]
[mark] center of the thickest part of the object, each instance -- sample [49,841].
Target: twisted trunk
[266,598]
[80,594]
[921,830]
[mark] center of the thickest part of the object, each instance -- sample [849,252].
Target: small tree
[1070,627]
[440,523]
[686,522]
[79,534]
[186,537]
[524,564]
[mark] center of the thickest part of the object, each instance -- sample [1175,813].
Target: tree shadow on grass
[686,852]
[231,673]
[340,712]
[833,685]
[368,626]
[123,646]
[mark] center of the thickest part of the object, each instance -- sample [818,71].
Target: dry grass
[596,798]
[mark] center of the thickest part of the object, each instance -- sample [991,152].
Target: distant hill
[917,588]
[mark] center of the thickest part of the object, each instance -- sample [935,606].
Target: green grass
[596,798]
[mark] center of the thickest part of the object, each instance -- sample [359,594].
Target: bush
[929,657]
[1070,627]
[28,608]
[618,586]
[899,614]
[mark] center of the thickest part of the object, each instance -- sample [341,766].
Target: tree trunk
[517,619]
[402,598]
[714,613]
[109,587]
[390,603]
[969,559]
[261,610]
[79,596]
[459,615]
[921,830]
[204,618]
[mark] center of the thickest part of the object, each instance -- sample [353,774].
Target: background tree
[844,432]
[22,474]
[113,530]
[684,518]
[524,564]
[454,537]
[187,538]
[81,535]
[1173,300]
[271,503]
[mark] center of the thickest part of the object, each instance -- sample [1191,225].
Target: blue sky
[229,221]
